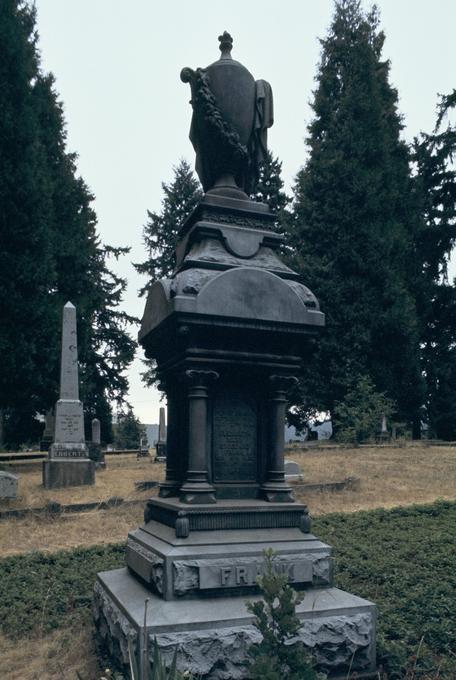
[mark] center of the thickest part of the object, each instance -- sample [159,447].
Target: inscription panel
[69,422]
[235,575]
[234,439]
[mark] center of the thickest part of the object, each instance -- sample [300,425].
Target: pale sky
[117,67]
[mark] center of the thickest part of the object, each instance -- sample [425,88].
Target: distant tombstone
[384,436]
[48,434]
[95,452]
[143,450]
[293,470]
[68,463]
[96,431]
[8,485]
[160,446]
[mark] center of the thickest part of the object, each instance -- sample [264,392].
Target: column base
[169,489]
[197,493]
[277,492]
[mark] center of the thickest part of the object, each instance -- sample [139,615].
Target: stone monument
[68,463]
[95,452]
[229,332]
[160,447]
[293,471]
[8,485]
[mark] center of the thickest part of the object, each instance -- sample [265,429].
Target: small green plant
[278,655]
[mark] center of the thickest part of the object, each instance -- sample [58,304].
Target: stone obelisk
[68,463]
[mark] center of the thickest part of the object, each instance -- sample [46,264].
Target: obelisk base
[212,635]
[60,472]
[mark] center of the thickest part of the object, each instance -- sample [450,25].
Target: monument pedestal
[212,635]
[77,472]
[198,588]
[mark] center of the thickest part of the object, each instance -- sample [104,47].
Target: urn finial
[226,45]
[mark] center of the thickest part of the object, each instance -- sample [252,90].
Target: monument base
[212,635]
[60,473]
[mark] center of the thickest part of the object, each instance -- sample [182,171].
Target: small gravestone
[383,435]
[293,471]
[160,446]
[95,452]
[8,485]
[68,463]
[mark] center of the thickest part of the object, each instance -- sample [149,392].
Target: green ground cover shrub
[38,592]
[402,559]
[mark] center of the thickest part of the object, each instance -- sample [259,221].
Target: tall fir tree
[82,274]
[53,251]
[27,266]
[353,225]
[270,189]
[435,191]
[161,231]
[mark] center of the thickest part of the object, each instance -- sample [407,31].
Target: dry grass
[388,476]
[58,656]
[122,471]
[49,534]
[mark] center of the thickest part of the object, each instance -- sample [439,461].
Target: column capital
[198,378]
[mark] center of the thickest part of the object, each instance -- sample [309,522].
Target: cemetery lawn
[402,559]
[388,477]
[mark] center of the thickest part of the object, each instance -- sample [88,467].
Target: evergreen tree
[82,274]
[161,231]
[26,267]
[435,191]
[270,188]
[128,431]
[352,230]
[50,250]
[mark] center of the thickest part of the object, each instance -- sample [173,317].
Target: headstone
[293,471]
[143,450]
[68,463]
[95,452]
[229,331]
[8,485]
[160,446]
[48,433]
[96,431]
[384,435]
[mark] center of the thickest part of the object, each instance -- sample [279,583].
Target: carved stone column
[170,487]
[275,489]
[197,489]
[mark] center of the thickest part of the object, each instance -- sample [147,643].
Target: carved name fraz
[235,439]
[236,575]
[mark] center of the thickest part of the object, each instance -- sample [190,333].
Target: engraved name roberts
[247,574]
